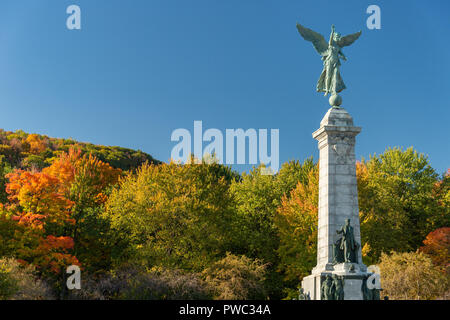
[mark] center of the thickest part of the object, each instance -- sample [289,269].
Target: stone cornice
[324,131]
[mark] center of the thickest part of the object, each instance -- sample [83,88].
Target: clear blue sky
[140,69]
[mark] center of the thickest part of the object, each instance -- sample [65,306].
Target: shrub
[132,283]
[237,278]
[7,285]
[19,282]
[411,276]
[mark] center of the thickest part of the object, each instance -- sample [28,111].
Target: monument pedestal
[353,283]
[338,211]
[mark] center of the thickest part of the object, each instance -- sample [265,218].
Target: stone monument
[339,273]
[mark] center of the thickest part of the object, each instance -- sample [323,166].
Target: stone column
[338,194]
[338,201]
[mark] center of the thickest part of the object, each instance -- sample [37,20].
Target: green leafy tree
[441,194]
[173,215]
[257,198]
[9,232]
[5,168]
[396,201]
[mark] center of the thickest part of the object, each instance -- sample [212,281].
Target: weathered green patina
[302,295]
[345,248]
[338,283]
[330,81]
[369,294]
[327,288]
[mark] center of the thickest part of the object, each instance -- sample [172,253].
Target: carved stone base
[352,274]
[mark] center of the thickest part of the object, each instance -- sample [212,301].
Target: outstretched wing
[317,39]
[348,40]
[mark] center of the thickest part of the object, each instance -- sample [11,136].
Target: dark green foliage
[5,168]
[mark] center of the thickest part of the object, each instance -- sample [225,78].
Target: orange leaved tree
[58,210]
[437,246]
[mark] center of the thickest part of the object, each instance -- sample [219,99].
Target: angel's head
[336,36]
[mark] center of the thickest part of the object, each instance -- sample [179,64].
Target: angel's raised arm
[330,41]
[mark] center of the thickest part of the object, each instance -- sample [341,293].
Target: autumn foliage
[297,224]
[437,245]
[202,230]
[47,205]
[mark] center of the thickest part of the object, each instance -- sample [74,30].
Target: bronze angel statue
[330,80]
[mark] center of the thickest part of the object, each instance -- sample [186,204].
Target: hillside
[33,151]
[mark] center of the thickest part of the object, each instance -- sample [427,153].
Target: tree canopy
[133,223]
